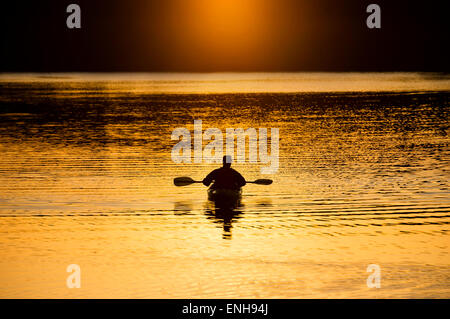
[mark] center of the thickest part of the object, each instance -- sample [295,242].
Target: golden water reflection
[86,177]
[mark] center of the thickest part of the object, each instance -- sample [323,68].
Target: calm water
[86,178]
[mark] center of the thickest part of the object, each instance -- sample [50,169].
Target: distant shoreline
[218,83]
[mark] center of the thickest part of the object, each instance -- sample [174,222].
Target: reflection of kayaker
[225,177]
[225,216]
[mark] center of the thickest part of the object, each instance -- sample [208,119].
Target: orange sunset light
[230,32]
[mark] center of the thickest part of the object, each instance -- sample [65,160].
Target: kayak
[228,197]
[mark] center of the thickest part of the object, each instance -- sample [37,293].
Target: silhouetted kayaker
[225,177]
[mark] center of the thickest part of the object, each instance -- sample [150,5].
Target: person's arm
[240,179]
[209,178]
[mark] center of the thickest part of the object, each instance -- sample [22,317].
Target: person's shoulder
[234,171]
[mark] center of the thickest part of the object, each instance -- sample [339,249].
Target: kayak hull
[225,197]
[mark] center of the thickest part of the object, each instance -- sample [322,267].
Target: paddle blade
[183,181]
[263,181]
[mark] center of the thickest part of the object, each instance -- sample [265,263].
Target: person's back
[225,177]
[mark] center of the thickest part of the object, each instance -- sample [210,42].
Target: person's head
[227,161]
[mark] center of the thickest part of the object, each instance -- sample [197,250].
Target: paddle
[262,181]
[183,181]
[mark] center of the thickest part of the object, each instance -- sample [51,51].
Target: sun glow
[226,31]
